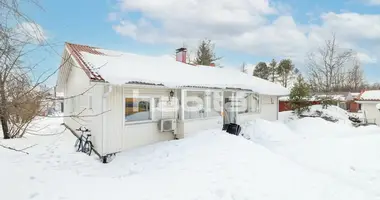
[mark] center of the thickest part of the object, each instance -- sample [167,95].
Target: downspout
[104,98]
[278,107]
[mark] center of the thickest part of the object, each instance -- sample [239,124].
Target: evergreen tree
[298,96]
[205,53]
[286,71]
[261,70]
[273,70]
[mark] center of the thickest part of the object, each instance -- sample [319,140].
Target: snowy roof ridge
[76,50]
[370,95]
[118,67]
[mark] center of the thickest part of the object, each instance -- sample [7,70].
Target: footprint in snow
[33,195]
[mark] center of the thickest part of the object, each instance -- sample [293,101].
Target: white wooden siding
[371,112]
[76,89]
[192,126]
[269,107]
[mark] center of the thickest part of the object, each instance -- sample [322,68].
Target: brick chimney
[181,54]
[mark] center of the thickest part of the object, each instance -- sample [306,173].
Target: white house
[123,98]
[369,100]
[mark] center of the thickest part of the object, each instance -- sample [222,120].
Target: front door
[230,109]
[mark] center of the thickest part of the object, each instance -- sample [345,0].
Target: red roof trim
[75,50]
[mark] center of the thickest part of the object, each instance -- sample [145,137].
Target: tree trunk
[4,125]
[3,113]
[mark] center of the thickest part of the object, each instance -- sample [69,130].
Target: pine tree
[261,70]
[273,70]
[205,53]
[286,71]
[298,96]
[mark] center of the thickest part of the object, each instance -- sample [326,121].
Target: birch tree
[326,66]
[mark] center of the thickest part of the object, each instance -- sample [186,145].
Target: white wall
[188,127]
[269,107]
[120,135]
[75,102]
[371,112]
[77,110]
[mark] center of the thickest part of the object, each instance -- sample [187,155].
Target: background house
[368,101]
[123,98]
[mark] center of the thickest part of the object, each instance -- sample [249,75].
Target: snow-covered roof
[370,95]
[317,97]
[355,94]
[122,68]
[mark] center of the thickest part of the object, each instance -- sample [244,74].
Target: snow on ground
[345,153]
[208,165]
[332,111]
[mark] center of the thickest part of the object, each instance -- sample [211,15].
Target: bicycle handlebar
[83,129]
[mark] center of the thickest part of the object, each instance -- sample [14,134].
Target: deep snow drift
[341,151]
[208,165]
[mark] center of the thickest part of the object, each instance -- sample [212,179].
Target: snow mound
[318,127]
[260,130]
[331,113]
[345,153]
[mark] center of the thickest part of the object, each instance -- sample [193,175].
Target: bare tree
[20,95]
[356,77]
[326,67]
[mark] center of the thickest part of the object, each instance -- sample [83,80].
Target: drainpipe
[104,99]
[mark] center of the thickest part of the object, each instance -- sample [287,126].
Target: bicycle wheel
[87,148]
[78,144]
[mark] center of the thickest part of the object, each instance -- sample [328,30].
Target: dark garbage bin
[233,129]
[225,127]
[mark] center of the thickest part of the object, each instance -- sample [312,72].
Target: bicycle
[83,143]
[87,146]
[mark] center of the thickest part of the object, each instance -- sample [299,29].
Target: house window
[137,109]
[248,103]
[255,106]
[244,103]
[195,105]
[202,104]
[215,105]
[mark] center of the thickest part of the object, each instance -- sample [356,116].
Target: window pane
[243,100]
[215,104]
[137,109]
[255,103]
[194,105]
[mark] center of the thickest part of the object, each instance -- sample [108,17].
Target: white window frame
[250,98]
[206,114]
[151,110]
[258,105]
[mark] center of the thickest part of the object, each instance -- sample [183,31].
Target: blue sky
[277,29]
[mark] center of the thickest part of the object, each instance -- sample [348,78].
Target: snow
[370,95]
[344,153]
[337,97]
[120,68]
[307,158]
[334,112]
